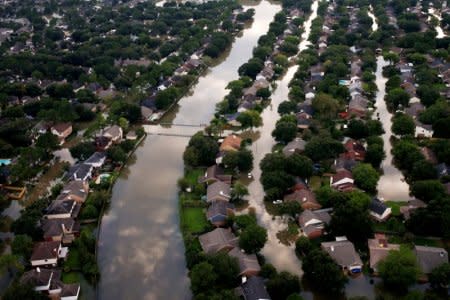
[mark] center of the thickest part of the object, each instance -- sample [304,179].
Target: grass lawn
[421,241]
[71,277]
[192,175]
[395,206]
[315,182]
[194,219]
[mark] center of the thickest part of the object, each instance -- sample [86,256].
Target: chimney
[332,248]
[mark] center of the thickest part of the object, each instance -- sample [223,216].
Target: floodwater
[141,252]
[374,20]
[440,32]
[392,185]
[281,256]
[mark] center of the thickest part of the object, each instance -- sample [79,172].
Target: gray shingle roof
[430,258]
[218,239]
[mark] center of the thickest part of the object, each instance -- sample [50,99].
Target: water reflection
[392,184]
[141,252]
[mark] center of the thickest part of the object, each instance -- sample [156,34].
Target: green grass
[395,206]
[315,182]
[427,242]
[70,277]
[194,219]
[192,175]
[73,261]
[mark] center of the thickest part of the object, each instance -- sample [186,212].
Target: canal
[141,252]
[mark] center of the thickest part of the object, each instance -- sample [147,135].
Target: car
[249,175]
[277,201]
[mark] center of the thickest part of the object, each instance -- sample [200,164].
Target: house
[62,209]
[62,131]
[49,282]
[412,205]
[146,113]
[39,129]
[378,210]
[81,172]
[248,263]
[442,169]
[115,133]
[62,230]
[358,106]
[215,173]
[414,109]
[342,180]
[312,223]
[39,279]
[218,212]
[231,143]
[305,197]
[220,239]
[75,190]
[344,162]
[429,258]
[47,253]
[96,160]
[253,288]
[354,150]
[429,155]
[344,254]
[102,143]
[232,119]
[295,146]
[218,191]
[378,250]
[131,135]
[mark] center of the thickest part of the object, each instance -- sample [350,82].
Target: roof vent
[442,254]
[244,279]
[332,248]
[38,270]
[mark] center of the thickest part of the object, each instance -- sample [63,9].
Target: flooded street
[374,20]
[392,185]
[281,256]
[141,252]
[440,32]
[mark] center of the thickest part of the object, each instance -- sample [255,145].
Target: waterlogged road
[141,252]
[281,256]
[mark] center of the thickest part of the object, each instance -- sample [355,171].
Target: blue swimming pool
[5,161]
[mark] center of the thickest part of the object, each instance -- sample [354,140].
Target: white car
[277,201]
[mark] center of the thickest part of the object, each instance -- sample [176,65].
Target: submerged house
[220,239]
[344,254]
[218,212]
[312,223]
[379,249]
[248,263]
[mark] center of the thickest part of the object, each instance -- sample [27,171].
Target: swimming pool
[5,161]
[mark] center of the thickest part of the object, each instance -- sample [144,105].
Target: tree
[323,273]
[22,245]
[403,125]
[83,150]
[245,160]
[203,277]
[116,154]
[299,165]
[285,132]
[322,147]
[352,219]
[440,128]
[427,190]
[374,155]
[303,246]
[399,269]
[357,129]
[239,191]
[47,141]
[249,119]
[397,97]
[253,238]
[263,93]
[366,177]
[325,106]
[440,277]
[282,285]
[18,292]
[226,268]
[166,97]
[287,107]
[201,151]
[423,170]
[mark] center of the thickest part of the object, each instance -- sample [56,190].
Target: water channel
[141,252]
[392,185]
